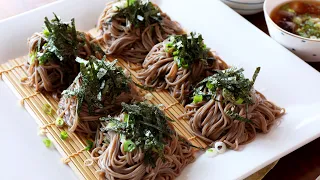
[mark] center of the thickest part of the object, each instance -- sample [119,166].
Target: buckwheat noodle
[84,122]
[209,121]
[162,72]
[121,38]
[54,76]
[115,163]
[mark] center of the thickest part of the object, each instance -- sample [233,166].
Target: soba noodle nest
[210,122]
[116,163]
[161,71]
[55,74]
[122,38]
[80,119]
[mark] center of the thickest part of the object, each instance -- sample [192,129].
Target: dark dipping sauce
[299,17]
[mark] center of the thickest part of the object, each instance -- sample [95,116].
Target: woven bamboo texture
[13,71]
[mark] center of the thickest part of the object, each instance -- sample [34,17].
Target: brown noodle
[84,122]
[53,76]
[115,163]
[209,121]
[121,38]
[161,71]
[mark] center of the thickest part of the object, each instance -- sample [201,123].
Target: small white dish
[245,7]
[306,48]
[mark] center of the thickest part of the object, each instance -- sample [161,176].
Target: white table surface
[23,154]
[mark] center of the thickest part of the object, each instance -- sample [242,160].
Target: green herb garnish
[59,122]
[101,79]
[47,142]
[185,49]
[235,88]
[61,41]
[89,145]
[47,109]
[128,146]
[145,126]
[64,135]
[138,13]
[32,57]
[197,98]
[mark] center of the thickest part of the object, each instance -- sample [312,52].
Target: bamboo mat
[13,71]
[73,148]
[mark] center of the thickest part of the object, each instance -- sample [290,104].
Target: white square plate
[284,79]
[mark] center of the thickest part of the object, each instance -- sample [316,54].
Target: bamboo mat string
[28,97]
[36,104]
[67,159]
[171,105]
[47,125]
[10,69]
[74,149]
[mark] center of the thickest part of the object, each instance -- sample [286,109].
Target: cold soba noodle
[131,28]
[226,108]
[140,144]
[99,89]
[51,64]
[178,64]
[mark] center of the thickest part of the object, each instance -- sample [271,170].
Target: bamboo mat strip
[54,104]
[172,107]
[12,72]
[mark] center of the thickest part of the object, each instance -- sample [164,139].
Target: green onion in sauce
[299,17]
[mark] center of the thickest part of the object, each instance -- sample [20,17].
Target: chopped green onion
[209,85]
[59,122]
[47,109]
[128,146]
[110,125]
[126,118]
[170,44]
[89,145]
[175,53]
[291,10]
[46,32]
[64,135]
[131,2]
[239,101]
[32,56]
[47,142]
[204,46]
[197,99]
[212,152]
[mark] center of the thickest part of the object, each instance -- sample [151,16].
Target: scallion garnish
[185,49]
[233,86]
[126,118]
[47,142]
[197,99]
[45,32]
[138,12]
[47,109]
[59,122]
[142,126]
[89,145]
[64,135]
[128,146]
